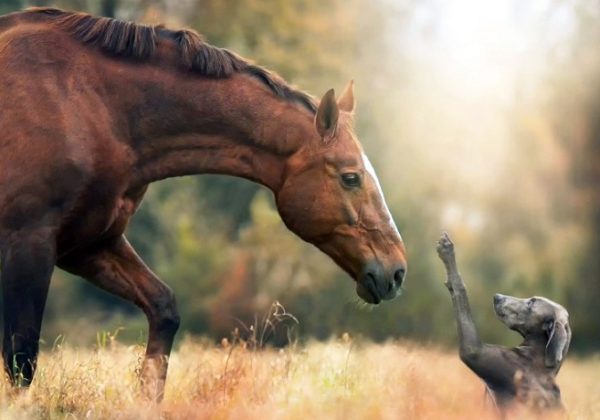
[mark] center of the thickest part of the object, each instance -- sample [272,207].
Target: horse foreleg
[27,265]
[115,267]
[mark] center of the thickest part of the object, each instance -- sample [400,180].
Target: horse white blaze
[371,171]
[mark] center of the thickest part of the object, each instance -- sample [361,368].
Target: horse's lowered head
[331,197]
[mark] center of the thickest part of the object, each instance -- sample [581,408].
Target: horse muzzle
[376,283]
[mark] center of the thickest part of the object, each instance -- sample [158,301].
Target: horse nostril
[399,276]
[371,285]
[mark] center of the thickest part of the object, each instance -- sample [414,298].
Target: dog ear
[558,343]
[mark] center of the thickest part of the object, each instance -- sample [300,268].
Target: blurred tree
[7,6]
[530,227]
[574,110]
[108,8]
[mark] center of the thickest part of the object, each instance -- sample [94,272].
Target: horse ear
[327,115]
[346,101]
[558,344]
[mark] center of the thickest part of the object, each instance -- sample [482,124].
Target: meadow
[342,378]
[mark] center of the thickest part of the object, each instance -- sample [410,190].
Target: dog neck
[533,350]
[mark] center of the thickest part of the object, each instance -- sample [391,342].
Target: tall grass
[338,379]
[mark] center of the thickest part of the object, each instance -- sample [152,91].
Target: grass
[338,379]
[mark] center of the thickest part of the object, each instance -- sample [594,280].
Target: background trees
[481,119]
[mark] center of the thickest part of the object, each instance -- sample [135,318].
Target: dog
[524,374]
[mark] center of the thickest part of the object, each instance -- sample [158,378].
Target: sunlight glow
[479,65]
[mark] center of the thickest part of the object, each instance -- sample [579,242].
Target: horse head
[331,197]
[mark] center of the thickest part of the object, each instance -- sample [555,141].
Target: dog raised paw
[445,247]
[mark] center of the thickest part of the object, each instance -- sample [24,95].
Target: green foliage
[7,6]
[519,195]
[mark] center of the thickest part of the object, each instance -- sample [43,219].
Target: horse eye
[530,303]
[351,180]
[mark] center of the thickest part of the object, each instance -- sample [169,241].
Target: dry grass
[338,379]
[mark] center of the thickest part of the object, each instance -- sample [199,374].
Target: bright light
[477,57]
[479,66]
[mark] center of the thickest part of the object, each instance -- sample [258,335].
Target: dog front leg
[470,344]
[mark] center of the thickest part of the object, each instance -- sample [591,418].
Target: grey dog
[522,374]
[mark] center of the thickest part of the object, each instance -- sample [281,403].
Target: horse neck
[182,124]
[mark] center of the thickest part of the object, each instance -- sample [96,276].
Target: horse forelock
[127,39]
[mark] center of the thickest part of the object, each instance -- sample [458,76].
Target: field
[338,379]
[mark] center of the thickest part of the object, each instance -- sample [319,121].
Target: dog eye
[351,180]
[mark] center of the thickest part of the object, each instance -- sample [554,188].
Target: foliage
[514,177]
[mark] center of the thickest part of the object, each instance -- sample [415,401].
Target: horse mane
[128,39]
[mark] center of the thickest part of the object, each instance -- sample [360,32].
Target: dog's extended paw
[445,248]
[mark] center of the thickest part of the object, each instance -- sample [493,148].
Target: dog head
[537,318]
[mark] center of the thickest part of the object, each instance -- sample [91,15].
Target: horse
[95,109]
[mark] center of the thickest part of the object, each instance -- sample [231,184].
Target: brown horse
[93,109]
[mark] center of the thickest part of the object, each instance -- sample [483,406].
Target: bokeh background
[481,118]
